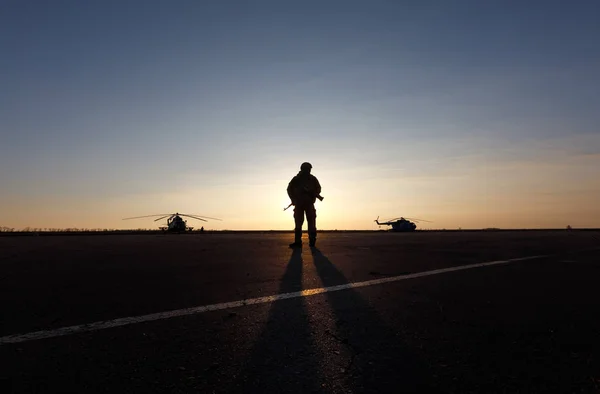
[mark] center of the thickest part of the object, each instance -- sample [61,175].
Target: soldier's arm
[290,190]
[317,186]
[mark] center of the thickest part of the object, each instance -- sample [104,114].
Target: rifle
[318,196]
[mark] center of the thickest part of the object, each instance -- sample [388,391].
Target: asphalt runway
[83,313]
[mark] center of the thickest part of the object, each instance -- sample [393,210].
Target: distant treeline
[5,229]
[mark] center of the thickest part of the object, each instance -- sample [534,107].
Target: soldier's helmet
[306,166]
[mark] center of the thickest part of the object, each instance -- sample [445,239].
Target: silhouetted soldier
[303,190]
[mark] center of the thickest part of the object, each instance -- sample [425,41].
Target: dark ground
[524,327]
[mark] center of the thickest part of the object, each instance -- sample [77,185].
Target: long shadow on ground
[284,358]
[381,362]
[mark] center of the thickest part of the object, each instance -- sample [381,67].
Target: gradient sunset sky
[469,114]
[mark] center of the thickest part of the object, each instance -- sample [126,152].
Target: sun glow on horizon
[473,196]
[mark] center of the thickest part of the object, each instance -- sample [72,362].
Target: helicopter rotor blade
[420,220]
[193,217]
[156,220]
[199,216]
[147,216]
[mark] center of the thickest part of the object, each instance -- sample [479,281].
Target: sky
[468,114]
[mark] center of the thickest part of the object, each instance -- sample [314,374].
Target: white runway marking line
[124,321]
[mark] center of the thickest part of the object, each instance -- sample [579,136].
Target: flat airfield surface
[522,326]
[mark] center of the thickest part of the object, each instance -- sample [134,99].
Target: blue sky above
[113,99]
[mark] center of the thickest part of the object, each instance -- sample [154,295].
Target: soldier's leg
[299,222]
[311,218]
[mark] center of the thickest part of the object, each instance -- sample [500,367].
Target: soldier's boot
[297,239]
[312,237]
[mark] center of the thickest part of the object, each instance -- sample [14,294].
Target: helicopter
[401,224]
[175,222]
